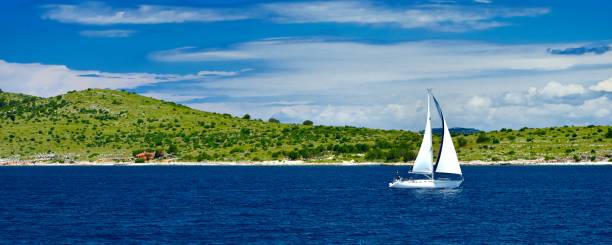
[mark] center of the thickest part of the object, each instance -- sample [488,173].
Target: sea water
[208,204]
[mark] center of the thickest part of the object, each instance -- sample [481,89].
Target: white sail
[423,163]
[448,162]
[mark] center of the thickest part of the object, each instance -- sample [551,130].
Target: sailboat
[446,172]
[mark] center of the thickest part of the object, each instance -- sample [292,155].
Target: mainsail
[447,156]
[423,163]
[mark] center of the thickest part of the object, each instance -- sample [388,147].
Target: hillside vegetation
[109,125]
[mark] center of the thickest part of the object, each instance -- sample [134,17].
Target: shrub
[394,155]
[293,155]
[482,137]
[461,141]
[203,156]
[139,160]
[609,133]
[308,123]
[136,152]
[172,149]
[374,154]
[273,120]
[408,155]
[246,116]
[236,150]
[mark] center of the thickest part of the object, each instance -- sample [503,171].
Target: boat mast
[428,99]
[442,133]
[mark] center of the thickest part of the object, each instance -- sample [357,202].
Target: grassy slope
[105,124]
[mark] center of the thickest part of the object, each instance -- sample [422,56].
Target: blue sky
[492,63]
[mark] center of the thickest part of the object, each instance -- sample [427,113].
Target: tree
[246,116]
[203,156]
[609,134]
[461,141]
[482,137]
[293,155]
[308,123]
[172,149]
[273,120]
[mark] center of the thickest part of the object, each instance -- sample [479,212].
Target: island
[99,126]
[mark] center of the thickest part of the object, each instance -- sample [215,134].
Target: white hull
[426,184]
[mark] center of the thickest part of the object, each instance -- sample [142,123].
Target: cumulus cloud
[556,90]
[603,86]
[436,16]
[374,116]
[477,102]
[49,80]
[530,108]
[115,33]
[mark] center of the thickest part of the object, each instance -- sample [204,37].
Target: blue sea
[298,205]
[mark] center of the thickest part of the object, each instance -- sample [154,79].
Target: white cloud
[97,13]
[604,86]
[187,54]
[49,80]
[375,116]
[556,90]
[478,102]
[525,109]
[171,96]
[483,1]
[316,64]
[516,98]
[439,17]
[480,85]
[218,73]
[599,107]
[115,33]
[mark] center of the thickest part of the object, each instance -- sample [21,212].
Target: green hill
[109,125]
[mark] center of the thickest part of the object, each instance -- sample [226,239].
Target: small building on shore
[146,155]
